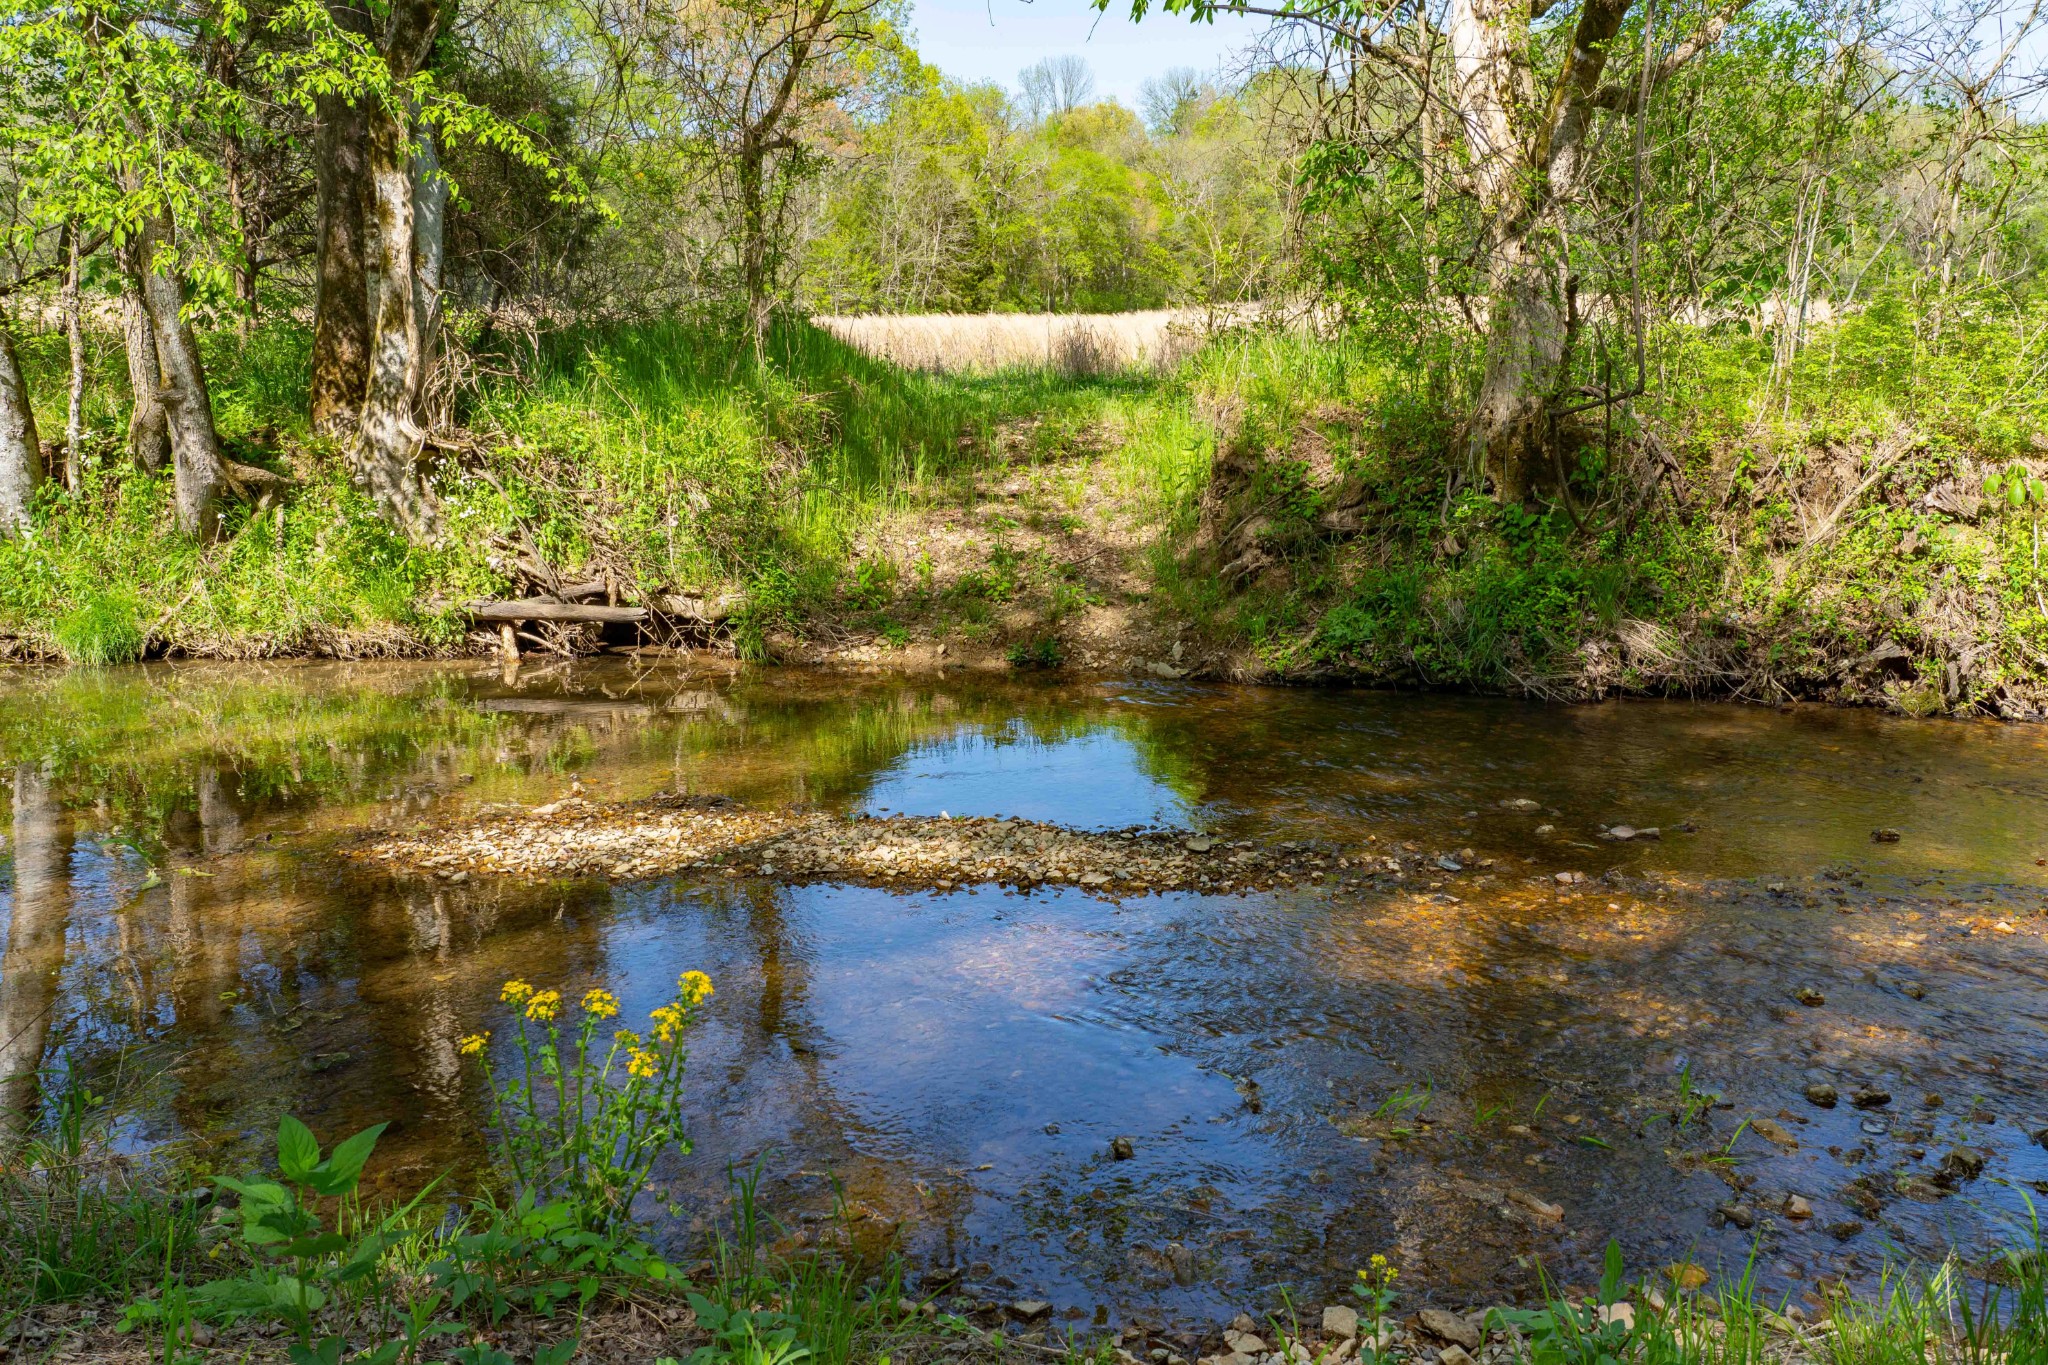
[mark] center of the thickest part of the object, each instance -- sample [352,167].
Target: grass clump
[105,628]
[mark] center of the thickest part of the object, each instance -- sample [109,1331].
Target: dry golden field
[1076,343]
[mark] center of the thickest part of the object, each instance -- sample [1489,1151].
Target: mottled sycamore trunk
[385,453]
[21,450]
[196,459]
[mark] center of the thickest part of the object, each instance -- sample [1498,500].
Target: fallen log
[537,609]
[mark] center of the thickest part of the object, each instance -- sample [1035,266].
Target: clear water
[1307,1076]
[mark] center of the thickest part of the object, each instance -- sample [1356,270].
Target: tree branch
[1623,96]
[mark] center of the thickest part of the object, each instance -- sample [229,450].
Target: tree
[753,81]
[1056,85]
[109,135]
[21,450]
[1528,86]
[1169,99]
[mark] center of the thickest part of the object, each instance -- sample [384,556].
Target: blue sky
[992,40]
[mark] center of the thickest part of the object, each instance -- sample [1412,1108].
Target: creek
[1528,1016]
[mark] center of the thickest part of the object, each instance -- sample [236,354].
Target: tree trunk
[341,305]
[34,957]
[74,336]
[429,238]
[195,444]
[149,432]
[385,452]
[1508,430]
[21,450]
[754,242]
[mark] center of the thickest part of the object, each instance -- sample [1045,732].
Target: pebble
[1029,1309]
[1809,997]
[1122,1149]
[1871,1097]
[1823,1095]
[1798,1206]
[1454,1355]
[1448,1326]
[1341,1321]
[1741,1215]
[1884,836]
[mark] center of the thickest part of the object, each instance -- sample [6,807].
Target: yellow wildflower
[695,987]
[516,992]
[627,1038]
[544,1006]
[667,1019]
[473,1044]
[642,1065]
[600,1003]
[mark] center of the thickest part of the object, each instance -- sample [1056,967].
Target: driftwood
[542,609]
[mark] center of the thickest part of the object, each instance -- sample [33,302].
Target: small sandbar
[665,835]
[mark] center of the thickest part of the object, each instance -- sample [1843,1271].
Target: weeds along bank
[1861,525]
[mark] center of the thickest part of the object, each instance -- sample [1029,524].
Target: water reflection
[1361,1064]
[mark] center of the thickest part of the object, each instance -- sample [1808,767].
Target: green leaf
[343,1167]
[298,1152]
[558,1354]
[1993,485]
[326,1352]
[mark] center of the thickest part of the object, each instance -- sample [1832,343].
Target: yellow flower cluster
[1379,1271]
[695,987]
[544,1006]
[625,1037]
[473,1044]
[600,1003]
[516,992]
[668,1021]
[642,1065]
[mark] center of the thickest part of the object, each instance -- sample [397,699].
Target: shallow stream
[1356,1063]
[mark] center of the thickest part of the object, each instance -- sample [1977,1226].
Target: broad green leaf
[298,1152]
[346,1163]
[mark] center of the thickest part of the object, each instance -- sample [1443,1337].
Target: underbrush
[1820,532]
[659,455]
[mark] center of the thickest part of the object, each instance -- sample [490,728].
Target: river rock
[1454,1355]
[1448,1326]
[1963,1163]
[1798,1206]
[1741,1215]
[1823,1095]
[1810,997]
[1340,1321]
[1623,1313]
[1122,1149]
[1030,1309]
[1520,803]
[1913,990]
[1774,1133]
[1871,1097]
[1884,836]
[1245,1343]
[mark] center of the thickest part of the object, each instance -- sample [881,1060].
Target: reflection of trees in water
[34,957]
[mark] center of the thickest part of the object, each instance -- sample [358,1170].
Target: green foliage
[103,629]
[1040,652]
